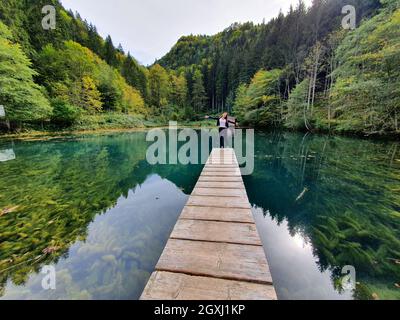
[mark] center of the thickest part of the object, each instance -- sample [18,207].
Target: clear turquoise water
[92,207]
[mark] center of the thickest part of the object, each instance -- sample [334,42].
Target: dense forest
[301,70]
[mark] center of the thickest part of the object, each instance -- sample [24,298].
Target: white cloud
[149,28]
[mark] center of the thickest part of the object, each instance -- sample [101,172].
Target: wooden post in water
[214,251]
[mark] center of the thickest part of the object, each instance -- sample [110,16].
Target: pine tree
[110,52]
[199,95]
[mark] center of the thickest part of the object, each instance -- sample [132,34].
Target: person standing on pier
[223,127]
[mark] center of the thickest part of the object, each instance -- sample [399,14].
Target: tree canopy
[23,99]
[300,70]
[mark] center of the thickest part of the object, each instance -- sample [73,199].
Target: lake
[93,208]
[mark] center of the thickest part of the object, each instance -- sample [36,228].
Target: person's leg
[221,138]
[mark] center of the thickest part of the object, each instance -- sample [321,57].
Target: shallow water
[92,207]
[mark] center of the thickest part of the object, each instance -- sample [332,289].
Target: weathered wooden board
[178,286]
[226,158]
[220,166]
[229,232]
[223,185]
[225,151]
[235,173]
[218,214]
[222,162]
[213,192]
[215,259]
[221,202]
[220,179]
[225,169]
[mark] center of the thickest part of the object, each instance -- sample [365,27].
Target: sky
[149,28]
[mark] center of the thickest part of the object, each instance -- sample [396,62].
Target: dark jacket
[227,121]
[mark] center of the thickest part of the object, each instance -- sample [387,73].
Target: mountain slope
[236,54]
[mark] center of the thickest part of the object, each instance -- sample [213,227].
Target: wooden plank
[223,185]
[222,169]
[215,259]
[214,166]
[221,152]
[222,202]
[220,179]
[178,286]
[229,232]
[218,214]
[224,160]
[223,156]
[235,173]
[220,162]
[213,192]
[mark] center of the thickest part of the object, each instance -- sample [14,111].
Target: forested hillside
[301,70]
[65,75]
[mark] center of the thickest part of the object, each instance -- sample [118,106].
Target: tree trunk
[316,67]
[309,94]
[329,116]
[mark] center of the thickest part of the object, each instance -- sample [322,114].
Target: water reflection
[293,265]
[120,251]
[93,208]
[340,197]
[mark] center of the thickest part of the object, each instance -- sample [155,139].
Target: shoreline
[45,135]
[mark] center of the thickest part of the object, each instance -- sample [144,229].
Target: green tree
[260,102]
[135,75]
[23,99]
[78,76]
[159,86]
[366,94]
[199,97]
[178,93]
[109,96]
[110,52]
[297,106]
[90,98]
[64,113]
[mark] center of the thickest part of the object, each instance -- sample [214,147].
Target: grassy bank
[109,122]
[114,122]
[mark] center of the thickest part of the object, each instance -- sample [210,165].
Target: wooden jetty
[214,251]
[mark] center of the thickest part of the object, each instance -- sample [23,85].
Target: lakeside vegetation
[299,71]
